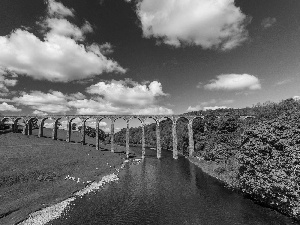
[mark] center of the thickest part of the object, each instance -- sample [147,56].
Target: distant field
[33,170]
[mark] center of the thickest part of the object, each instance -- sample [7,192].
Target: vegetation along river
[167,191]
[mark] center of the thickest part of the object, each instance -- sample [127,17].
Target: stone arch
[30,122]
[182,133]
[54,132]
[16,128]
[6,118]
[166,127]
[41,126]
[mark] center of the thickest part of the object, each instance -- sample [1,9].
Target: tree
[74,125]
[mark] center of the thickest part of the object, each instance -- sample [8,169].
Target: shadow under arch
[74,127]
[16,126]
[182,132]
[41,126]
[7,121]
[165,132]
[30,124]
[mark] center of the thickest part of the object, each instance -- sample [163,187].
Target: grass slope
[33,170]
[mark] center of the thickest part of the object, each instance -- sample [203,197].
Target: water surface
[167,191]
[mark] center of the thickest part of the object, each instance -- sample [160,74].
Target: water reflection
[167,191]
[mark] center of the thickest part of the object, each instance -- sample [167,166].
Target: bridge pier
[54,131]
[25,129]
[83,133]
[158,146]
[69,131]
[112,133]
[127,139]
[174,134]
[41,130]
[143,140]
[29,127]
[97,135]
[191,137]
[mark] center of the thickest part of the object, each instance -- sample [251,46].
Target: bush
[269,163]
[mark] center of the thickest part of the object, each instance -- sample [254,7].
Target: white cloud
[115,97]
[214,107]
[53,102]
[282,82]
[57,9]
[6,107]
[268,22]
[234,82]
[193,108]
[128,92]
[103,107]
[58,57]
[39,113]
[297,98]
[63,27]
[77,95]
[154,110]
[207,23]
[205,105]
[5,81]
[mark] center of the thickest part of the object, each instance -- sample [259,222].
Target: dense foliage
[89,131]
[261,153]
[270,162]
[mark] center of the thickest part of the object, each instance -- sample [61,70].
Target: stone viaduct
[28,121]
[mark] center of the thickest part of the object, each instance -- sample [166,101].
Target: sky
[146,56]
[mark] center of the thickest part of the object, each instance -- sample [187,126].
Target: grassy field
[34,170]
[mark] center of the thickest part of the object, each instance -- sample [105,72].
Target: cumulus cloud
[53,102]
[206,23]
[296,97]
[268,22]
[57,9]
[103,107]
[214,107]
[6,81]
[128,92]
[194,108]
[39,113]
[58,57]
[205,105]
[6,107]
[234,82]
[114,97]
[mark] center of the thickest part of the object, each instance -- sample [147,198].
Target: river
[167,191]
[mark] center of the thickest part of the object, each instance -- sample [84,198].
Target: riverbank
[227,173]
[39,172]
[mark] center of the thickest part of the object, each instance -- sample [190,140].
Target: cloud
[205,105]
[128,92]
[282,82]
[39,113]
[6,107]
[268,22]
[57,9]
[230,82]
[205,23]
[214,107]
[297,98]
[103,107]
[53,102]
[193,108]
[6,81]
[58,56]
[113,97]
